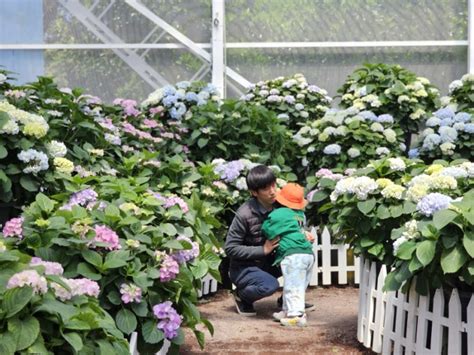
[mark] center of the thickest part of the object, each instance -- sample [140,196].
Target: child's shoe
[297,321]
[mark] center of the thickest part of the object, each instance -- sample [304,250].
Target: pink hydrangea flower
[169,269]
[130,293]
[106,235]
[29,278]
[51,268]
[13,228]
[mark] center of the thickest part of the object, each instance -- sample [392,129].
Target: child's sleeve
[269,228]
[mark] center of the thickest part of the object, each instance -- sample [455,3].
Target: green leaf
[105,347]
[3,151]
[126,321]
[199,269]
[88,271]
[7,343]
[406,250]
[116,259]
[443,217]
[26,331]
[366,206]
[29,184]
[391,283]
[396,211]
[140,309]
[319,196]
[112,211]
[366,242]
[15,299]
[44,202]
[414,264]
[468,242]
[202,142]
[408,207]
[150,332]
[74,339]
[92,257]
[168,229]
[173,244]
[425,251]
[383,212]
[452,260]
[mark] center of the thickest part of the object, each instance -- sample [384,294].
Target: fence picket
[397,323]
[326,256]
[470,325]
[454,323]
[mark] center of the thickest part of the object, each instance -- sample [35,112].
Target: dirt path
[332,327]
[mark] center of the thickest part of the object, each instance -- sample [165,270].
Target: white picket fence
[398,323]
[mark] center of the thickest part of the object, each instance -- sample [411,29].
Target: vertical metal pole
[218,46]
[470,36]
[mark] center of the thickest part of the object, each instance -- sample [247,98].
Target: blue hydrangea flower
[445,112]
[433,202]
[332,149]
[413,153]
[462,117]
[183,85]
[385,118]
[368,115]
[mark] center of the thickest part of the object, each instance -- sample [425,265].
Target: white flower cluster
[31,124]
[37,161]
[359,186]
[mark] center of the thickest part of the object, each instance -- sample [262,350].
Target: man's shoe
[308,307]
[277,316]
[244,308]
[294,321]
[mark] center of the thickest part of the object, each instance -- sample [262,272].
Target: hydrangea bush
[43,311]
[449,136]
[460,96]
[437,245]
[347,139]
[368,207]
[391,89]
[292,98]
[142,247]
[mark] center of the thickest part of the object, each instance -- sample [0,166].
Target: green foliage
[34,319]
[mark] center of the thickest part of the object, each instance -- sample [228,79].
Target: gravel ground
[332,327]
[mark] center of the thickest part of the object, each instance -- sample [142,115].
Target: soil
[331,329]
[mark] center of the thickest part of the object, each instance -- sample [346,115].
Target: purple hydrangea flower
[81,198]
[183,256]
[170,320]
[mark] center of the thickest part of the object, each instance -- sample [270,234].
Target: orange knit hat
[292,195]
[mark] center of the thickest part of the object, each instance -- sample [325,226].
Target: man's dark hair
[260,177]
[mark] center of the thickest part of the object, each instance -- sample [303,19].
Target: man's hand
[310,237]
[270,245]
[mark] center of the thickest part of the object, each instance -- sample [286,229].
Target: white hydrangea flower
[393,191]
[56,149]
[397,164]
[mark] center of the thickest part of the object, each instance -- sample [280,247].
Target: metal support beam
[184,40]
[99,29]
[470,36]
[218,46]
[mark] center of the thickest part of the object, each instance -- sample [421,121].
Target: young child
[294,253]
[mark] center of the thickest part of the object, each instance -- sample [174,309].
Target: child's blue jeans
[296,270]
